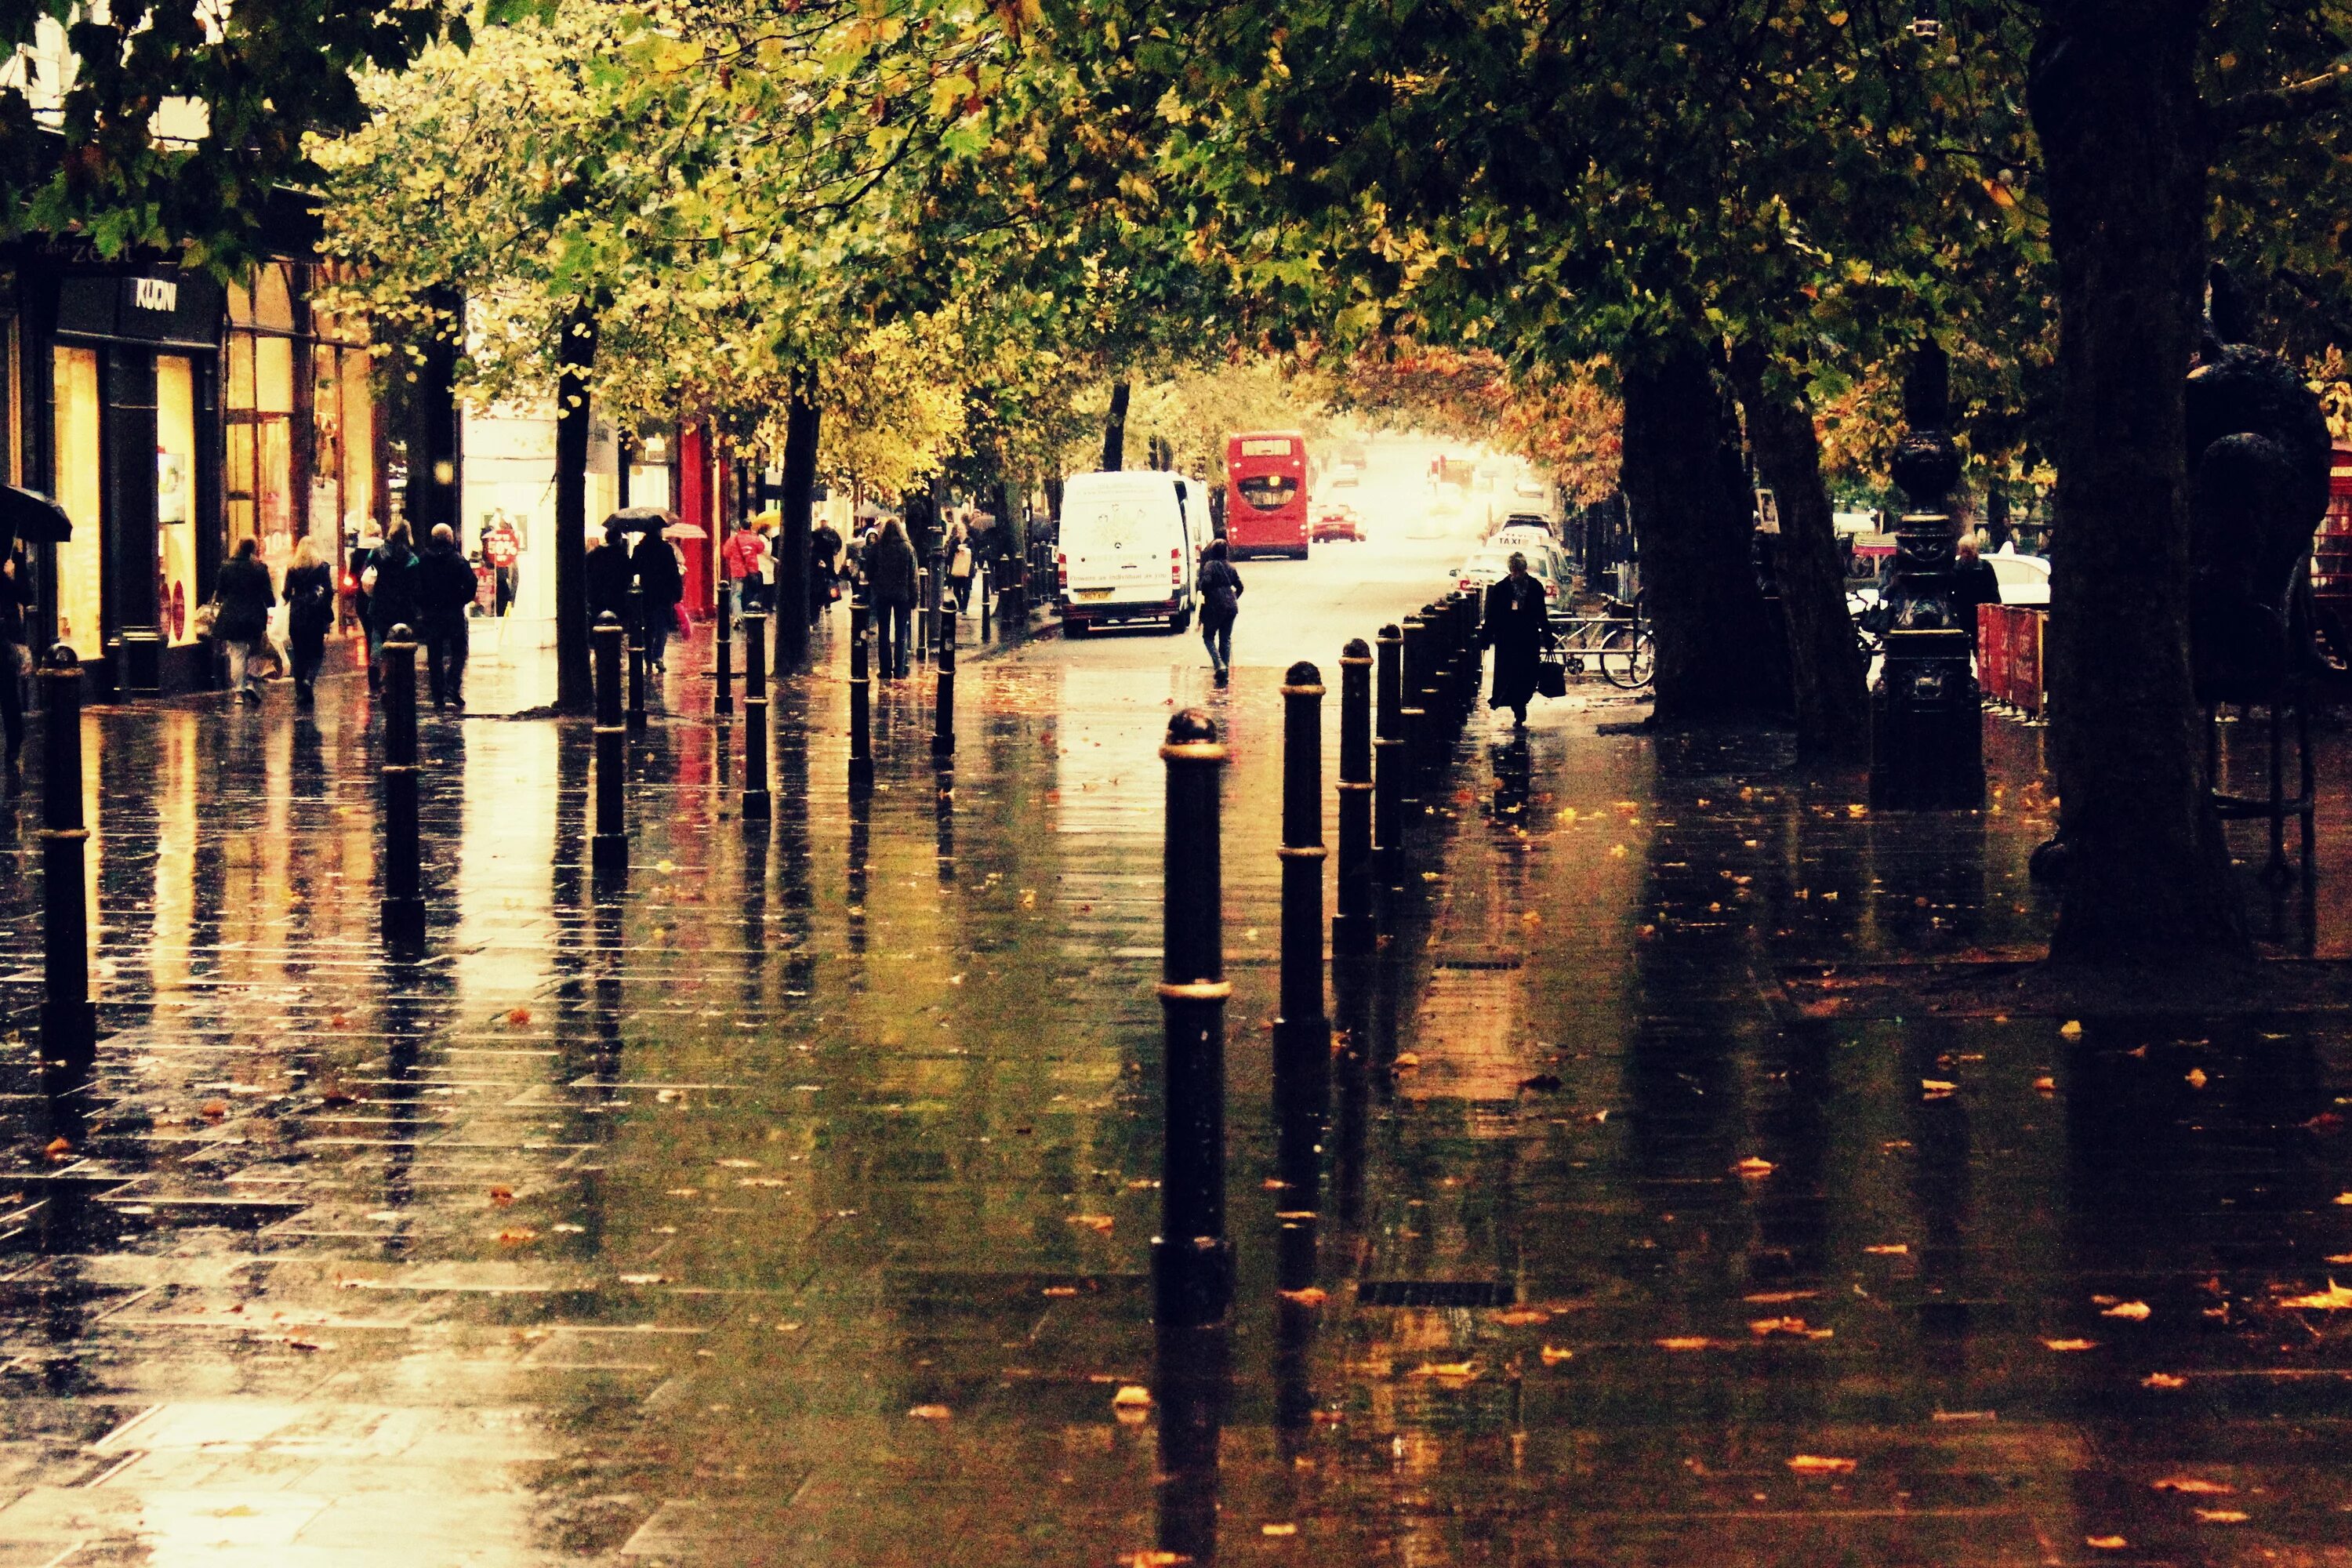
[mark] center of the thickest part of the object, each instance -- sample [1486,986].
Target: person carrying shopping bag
[245,599]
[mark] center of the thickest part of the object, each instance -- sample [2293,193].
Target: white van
[1129,549]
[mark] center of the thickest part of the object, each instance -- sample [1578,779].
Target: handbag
[1551,680]
[207,614]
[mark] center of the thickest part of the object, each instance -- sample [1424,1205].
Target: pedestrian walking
[1516,626]
[1221,604]
[310,612]
[244,599]
[740,558]
[961,562]
[391,584]
[825,565]
[446,589]
[890,584]
[660,586]
[609,574]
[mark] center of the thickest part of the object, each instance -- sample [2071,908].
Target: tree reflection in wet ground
[793,1206]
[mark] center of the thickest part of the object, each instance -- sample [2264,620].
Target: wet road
[792,1207]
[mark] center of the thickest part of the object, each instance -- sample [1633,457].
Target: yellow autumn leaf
[2134,1311]
[2334,1299]
[1820,1465]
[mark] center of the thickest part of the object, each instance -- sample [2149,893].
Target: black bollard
[609,849]
[1302,1034]
[1352,924]
[1388,752]
[943,711]
[927,582]
[1428,693]
[861,696]
[68,1017]
[722,652]
[755,717]
[636,660]
[1191,1264]
[404,901]
[1413,718]
[985,584]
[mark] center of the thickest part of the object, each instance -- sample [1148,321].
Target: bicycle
[1617,641]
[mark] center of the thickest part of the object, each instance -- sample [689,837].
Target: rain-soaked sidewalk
[793,1207]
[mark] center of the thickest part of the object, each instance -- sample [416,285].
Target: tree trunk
[1691,518]
[1826,667]
[575,362]
[2115,100]
[802,429]
[1115,430]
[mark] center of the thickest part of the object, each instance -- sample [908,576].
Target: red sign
[179,609]
[501,545]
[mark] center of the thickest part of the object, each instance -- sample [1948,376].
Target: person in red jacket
[740,559]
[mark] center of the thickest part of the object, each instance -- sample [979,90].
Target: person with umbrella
[608,574]
[661,586]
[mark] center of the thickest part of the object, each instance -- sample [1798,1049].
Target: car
[1336,520]
[2023,579]
[1536,541]
[1491,565]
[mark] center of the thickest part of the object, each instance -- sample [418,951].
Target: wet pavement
[792,1205]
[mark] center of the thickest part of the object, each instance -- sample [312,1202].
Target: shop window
[74,418]
[257,480]
[177,591]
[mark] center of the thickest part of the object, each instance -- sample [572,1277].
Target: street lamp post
[1926,750]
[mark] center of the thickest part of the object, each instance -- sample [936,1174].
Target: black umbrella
[32,516]
[640,520]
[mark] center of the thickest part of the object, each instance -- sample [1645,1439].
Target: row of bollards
[1400,711]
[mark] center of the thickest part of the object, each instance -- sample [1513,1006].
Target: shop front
[133,371]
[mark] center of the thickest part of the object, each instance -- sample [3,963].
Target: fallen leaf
[2334,1299]
[1890,1249]
[2344,1200]
[1684,1343]
[502,1196]
[1132,1396]
[1061,1290]
[2071,1029]
[2219,1515]
[1278,1530]
[2163,1380]
[1312,1295]
[1795,1328]
[58,1148]
[2189,1485]
[1097,1222]
[1818,1464]
[1523,1315]
[214,1110]
[2045,1086]
[1405,1059]
[2071,1344]
[929,1413]
[2134,1311]
[2105,1543]
[2195,1077]
[518,1017]
[645,1279]
[1451,1369]
[1935,1088]
[1754,1169]
[1154,1559]
[1554,1357]
[517,1236]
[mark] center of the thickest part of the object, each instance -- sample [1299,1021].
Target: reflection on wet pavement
[793,1205]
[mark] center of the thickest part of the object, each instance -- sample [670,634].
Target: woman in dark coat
[310,612]
[891,585]
[660,586]
[1515,626]
[1221,605]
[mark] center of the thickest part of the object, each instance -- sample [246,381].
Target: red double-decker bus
[1266,493]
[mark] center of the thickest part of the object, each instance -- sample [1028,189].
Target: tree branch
[2332,89]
